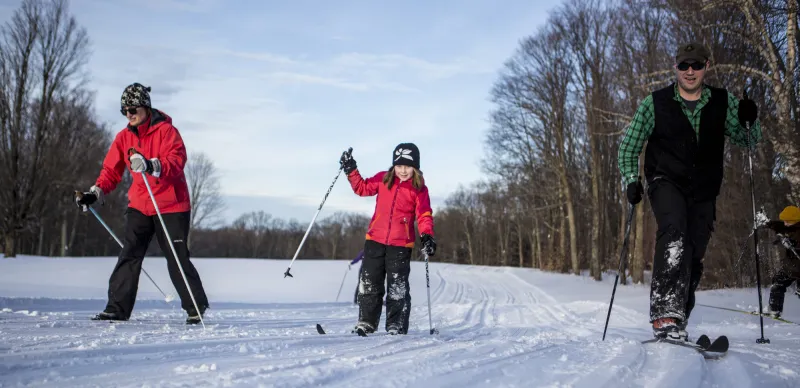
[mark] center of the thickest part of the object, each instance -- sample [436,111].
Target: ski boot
[682,330]
[668,329]
[363,328]
[394,330]
[193,317]
[108,316]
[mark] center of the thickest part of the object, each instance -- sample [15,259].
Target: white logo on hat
[403,153]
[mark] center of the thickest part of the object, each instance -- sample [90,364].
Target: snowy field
[498,327]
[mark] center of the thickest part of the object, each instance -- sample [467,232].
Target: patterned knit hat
[406,154]
[136,95]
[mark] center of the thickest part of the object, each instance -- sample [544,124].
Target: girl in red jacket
[402,199]
[149,144]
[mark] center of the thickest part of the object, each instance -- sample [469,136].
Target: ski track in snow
[497,327]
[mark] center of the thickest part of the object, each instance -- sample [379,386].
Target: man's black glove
[634,192]
[748,111]
[428,244]
[347,162]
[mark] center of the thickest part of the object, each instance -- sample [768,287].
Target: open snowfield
[498,327]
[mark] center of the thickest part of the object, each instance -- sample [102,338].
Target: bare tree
[585,25]
[43,53]
[204,191]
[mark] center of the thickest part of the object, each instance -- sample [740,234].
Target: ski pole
[167,298]
[622,254]
[747,312]
[428,285]
[169,241]
[287,273]
[761,340]
[342,285]
[358,257]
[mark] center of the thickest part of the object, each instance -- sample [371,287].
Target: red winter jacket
[155,138]
[395,209]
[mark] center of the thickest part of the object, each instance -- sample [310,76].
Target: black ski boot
[363,328]
[194,317]
[395,329]
[682,330]
[668,329]
[107,316]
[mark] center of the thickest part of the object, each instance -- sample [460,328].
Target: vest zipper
[391,211]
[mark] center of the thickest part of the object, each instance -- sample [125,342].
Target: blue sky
[274,91]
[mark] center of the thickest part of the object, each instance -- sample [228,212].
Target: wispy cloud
[354,65]
[289,77]
[254,56]
[395,62]
[198,6]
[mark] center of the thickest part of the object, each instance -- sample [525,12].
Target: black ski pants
[390,264]
[139,230]
[788,273]
[684,229]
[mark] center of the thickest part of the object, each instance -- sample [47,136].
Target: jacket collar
[149,124]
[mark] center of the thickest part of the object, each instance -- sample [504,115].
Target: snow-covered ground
[498,327]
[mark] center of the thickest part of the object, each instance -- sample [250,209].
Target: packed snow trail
[498,327]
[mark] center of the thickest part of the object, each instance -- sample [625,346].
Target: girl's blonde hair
[416,179]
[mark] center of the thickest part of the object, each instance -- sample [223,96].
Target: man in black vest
[684,125]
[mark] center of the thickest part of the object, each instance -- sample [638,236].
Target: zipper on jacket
[391,211]
[408,236]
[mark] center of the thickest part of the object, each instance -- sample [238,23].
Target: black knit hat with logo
[406,154]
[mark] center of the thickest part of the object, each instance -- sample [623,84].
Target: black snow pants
[788,273]
[684,229]
[139,230]
[390,264]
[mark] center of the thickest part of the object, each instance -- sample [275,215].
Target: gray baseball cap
[692,51]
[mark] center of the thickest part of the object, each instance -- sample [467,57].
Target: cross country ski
[710,350]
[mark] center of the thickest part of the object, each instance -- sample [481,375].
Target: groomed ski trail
[497,327]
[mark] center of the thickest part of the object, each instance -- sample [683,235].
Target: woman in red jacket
[402,199]
[150,144]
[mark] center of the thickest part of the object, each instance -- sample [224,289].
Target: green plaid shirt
[644,121]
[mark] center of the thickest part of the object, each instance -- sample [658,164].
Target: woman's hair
[416,180]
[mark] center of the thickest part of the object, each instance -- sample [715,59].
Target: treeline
[552,197]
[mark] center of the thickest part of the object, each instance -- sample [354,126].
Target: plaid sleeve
[735,130]
[635,136]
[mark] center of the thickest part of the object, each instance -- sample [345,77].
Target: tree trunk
[40,245]
[64,247]
[563,265]
[74,231]
[520,242]
[595,257]
[573,232]
[11,244]
[538,237]
[469,243]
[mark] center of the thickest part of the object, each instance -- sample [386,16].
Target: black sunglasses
[683,66]
[129,110]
